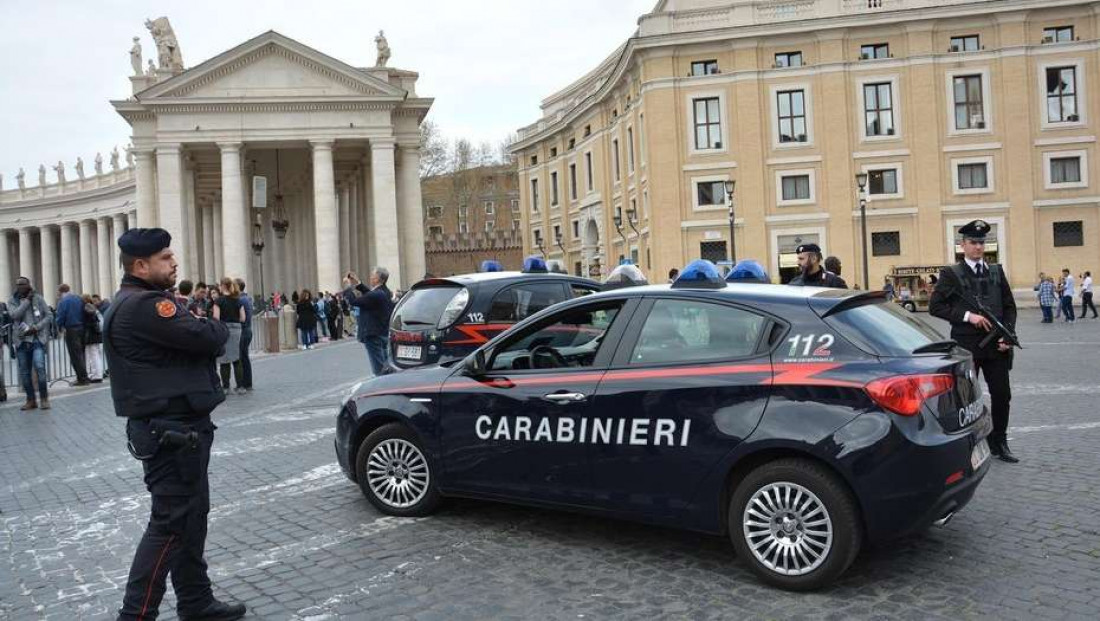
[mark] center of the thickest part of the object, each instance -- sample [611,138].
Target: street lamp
[731,185]
[258,248]
[279,220]
[861,181]
[538,244]
[631,219]
[557,242]
[618,219]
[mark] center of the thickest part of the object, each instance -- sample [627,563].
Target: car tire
[794,548]
[909,306]
[395,474]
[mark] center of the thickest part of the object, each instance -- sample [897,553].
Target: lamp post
[557,242]
[279,220]
[538,244]
[258,248]
[861,181]
[618,219]
[730,187]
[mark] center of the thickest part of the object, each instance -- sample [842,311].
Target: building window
[886,244]
[534,195]
[973,176]
[1071,233]
[710,193]
[587,131]
[554,188]
[572,143]
[576,229]
[1062,95]
[704,67]
[708,123]
[969,107]
[577,268]
[515,204]
[463,228]
[573,181]
[515,225]
[795,188]
[557,233]
[713,251]
[630,148]
[874,50]
[788,59]
[878,108]
[1065,170]
[615,158]
[967,43]
[435,211]
[588,170]
[792,116]
[435,231]
[1059,34]
[641,136]
[490,226]
[534,160]
[489,208]
[553,151]
[882,182]
[462,212]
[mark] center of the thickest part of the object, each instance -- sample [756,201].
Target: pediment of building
[266,67]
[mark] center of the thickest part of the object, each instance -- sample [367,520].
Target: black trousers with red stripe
[175,538]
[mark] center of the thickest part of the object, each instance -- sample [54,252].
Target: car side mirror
[475,364]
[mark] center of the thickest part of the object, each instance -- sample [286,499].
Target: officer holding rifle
[976,298]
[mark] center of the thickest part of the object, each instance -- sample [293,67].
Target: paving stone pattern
[292,538]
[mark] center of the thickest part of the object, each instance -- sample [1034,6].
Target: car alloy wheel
[397,473]
[788,528]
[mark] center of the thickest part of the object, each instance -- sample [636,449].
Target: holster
[146,438]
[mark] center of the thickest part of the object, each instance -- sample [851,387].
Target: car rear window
[883,328]
[422,308]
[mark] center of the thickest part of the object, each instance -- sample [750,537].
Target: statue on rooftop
[383,49]
[169,57]
[135,56]
[42,175]
[98,163]
[129,156]
[151,70]
[60,170]
[80,168]
[114,159]
[21,179]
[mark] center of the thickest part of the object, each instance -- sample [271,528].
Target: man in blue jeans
[31,318]
[375,306]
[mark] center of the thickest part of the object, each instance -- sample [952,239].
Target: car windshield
[422,308]
[883,329]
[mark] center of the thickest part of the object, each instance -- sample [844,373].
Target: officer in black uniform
[163,382]
[952,300]
[813,274]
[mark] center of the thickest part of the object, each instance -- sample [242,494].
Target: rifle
[999,328]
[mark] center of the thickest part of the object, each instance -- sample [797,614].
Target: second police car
[801,422]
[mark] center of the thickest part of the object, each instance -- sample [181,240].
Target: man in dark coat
[953,300]
[375,306]
[813,274]
[165,386]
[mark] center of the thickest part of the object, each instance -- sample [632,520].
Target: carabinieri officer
[952,300]
[162,380]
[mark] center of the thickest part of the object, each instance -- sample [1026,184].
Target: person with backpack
[93,341]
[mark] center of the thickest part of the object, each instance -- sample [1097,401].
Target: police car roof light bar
[748,271]
[534,264]
[490,265]
[699,274]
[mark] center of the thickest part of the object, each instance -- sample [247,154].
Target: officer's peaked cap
[144,242]
[808,248]
[975,230]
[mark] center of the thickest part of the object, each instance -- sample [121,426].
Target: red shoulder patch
[166,309]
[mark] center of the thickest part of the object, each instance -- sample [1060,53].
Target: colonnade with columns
[81,253]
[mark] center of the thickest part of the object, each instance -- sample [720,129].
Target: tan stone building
[470,216]
[955,110]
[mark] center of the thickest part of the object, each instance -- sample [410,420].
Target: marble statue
[42,175]
[80,168]
[98,163]
[114,159]
[383,49]
[169,57]
[60,170]
[151,70]
[135,56]
[21,179]
[129,156]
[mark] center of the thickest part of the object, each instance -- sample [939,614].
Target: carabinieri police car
[442,319]
[801,422]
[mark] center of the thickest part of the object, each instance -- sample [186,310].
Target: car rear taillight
[904,394]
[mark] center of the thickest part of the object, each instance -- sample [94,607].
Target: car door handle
[565,397]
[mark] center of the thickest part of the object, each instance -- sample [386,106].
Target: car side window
[579,291]
[519,302]
[571,340]
[693,331]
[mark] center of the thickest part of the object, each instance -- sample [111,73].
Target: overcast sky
[488,63]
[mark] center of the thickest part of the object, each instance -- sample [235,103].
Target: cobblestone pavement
[291,537]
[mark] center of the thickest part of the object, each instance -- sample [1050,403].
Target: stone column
[5,266]
[345,226]
[384,226]
[49,262]
[132,220]
[411,214]
[325,217]
[104,259]
[353,222]
[146,213]
[207,212]
[366,219]
[87,273]
[68,272]
[26,256]
[234,234]
[219,249]
[190,229]
[118,227]
[170,197]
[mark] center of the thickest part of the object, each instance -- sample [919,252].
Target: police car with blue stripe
[801,422]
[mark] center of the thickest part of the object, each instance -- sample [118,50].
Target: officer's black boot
[216,611]
[1005,453]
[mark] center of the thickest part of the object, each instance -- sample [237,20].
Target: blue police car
[801,422]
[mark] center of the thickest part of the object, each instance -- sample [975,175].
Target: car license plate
[408,352]
[979,454]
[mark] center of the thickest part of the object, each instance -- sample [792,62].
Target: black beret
[975,229]
[808,248]
[144,242]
